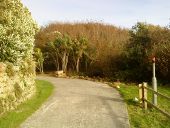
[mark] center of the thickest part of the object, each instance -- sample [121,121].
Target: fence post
[144,95]
[140,93]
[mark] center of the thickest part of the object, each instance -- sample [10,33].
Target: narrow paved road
[80,104]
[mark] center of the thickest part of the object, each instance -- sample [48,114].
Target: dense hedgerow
[17,68]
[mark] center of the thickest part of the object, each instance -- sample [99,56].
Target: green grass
[150,118]
[14,118]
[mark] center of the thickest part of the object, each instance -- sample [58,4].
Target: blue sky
[123,13]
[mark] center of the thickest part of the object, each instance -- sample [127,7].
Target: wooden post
[144,95]
[140,93]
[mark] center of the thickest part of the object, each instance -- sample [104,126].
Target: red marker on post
[153,59]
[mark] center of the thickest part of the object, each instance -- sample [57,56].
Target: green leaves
[39,59]
[145,42]
[17,68]
[17,30]
[64,48]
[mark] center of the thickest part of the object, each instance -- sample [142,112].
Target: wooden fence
[143,98]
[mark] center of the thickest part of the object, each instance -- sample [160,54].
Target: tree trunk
[64,61]
[55,58]
[58,65]
[77,64]
[86,65]
[57,61]
[41,65]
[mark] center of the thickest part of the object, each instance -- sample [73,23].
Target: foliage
[17,30]
[18,90]
[17,69]
[146,42]
[14,118]
[139,51]
[64,44]
[100,43]
[79,48]
[110,51]
[38,55]
[64,49]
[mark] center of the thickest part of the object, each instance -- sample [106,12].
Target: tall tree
[139,51]
[39,59]
[79,48]
[60,49]
[65,47]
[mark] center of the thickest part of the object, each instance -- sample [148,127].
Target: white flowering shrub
[17,30]
[17,68]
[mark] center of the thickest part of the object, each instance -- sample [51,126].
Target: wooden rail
[160,110]
[150,89]
[143,97]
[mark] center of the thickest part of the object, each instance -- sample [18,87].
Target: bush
[17,31]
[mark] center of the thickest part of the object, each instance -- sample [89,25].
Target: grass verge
[14,118]
[150,118]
